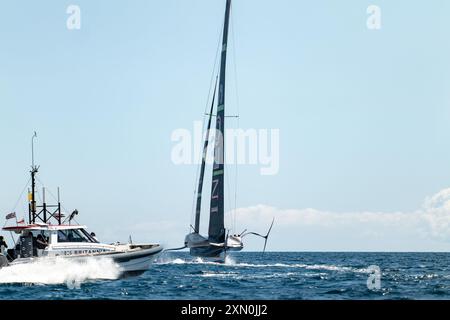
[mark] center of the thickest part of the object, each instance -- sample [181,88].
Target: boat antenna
[32,196]
[32,148]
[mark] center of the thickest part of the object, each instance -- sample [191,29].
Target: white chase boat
[47,236]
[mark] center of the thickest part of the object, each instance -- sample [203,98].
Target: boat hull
[135,263]
[129,263]
[206,252]
[200,246]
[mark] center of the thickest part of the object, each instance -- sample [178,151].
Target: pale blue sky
[363,115]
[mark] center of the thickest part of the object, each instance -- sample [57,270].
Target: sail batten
[216,230]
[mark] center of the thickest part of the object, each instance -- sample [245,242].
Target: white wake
[169,260]
[229,261]
[60,271]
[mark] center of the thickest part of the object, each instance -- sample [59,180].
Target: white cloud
[309,216]
[426,226]
[436,213]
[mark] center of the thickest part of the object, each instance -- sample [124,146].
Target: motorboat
[47,236]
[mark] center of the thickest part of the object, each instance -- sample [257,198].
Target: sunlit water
[244,275]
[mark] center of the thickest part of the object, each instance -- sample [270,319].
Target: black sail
[216,231]
[202,170]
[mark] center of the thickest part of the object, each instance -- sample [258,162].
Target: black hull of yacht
[207,252]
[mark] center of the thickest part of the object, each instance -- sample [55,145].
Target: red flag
[11,215]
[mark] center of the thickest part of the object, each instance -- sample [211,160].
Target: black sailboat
[217,241]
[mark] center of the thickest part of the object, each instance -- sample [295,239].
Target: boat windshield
[72,235]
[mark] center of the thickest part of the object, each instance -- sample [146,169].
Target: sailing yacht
[218,241]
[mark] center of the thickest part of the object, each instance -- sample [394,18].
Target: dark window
[72,235]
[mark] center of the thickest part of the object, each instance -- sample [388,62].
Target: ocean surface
[245,275]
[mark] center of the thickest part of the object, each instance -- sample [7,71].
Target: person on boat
[3,244]
[70,237]
[34,244]
[94,236]
[40,242]
[62,237]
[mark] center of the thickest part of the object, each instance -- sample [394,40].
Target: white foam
[168,260]
[230,262]
[60,271]
[177,261]
[220,274]
[237,276]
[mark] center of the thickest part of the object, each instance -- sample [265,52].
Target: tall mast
[202,170]
[216,221]
[43,212]
[34,170]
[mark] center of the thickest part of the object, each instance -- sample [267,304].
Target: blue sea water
[247,275]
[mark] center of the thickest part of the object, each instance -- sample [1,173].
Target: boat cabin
[38,240]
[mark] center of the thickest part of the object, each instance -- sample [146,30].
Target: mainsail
[198,207]
[216,231]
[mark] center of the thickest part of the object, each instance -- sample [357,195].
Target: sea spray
[60,271]
[229,261]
